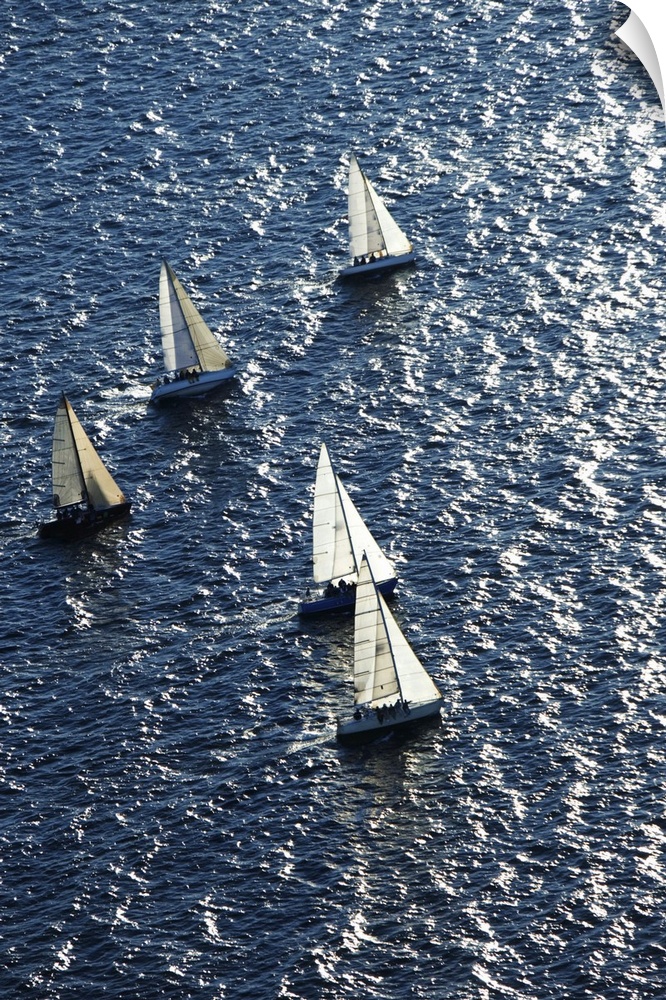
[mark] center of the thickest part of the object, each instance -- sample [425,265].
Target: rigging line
[372,202]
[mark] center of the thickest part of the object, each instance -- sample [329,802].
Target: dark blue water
[177,819]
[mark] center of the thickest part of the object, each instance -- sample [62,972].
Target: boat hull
[383,264]
[341,602]
[84,524]
[371,727]
[182,388]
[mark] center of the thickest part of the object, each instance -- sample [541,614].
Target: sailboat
[195,362]
[339,539]
[377,241]
[392,689]
[85,496]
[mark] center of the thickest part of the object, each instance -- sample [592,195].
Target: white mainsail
[385,665]
[78,472]
[372,228]
[339,534]
[186,339]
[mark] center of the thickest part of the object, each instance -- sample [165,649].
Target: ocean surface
[177,820]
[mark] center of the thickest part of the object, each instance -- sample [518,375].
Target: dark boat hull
[341,602]
[88,523]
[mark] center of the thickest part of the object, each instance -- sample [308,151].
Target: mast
[364,232]
[344,514]
[84,489]
[374,199]
[384,662]
[381,607]
[375,674]
[67,473]
[332,547]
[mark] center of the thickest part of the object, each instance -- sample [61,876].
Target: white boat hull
[383,264]
[181,388]
[374,724]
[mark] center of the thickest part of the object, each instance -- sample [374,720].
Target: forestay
[340,536]
[186,339]
[372,228]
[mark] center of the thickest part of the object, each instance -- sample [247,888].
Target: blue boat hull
[375,266]
[340,602]
[196,385]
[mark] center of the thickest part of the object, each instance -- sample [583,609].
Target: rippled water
[178,820]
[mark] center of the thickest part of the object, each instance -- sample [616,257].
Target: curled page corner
[644,32]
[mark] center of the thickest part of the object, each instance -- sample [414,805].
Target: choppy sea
[177,820]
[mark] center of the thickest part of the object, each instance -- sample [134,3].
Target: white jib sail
[372,228]
[78,471]
[186,339]
[385,665]
[339,534]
